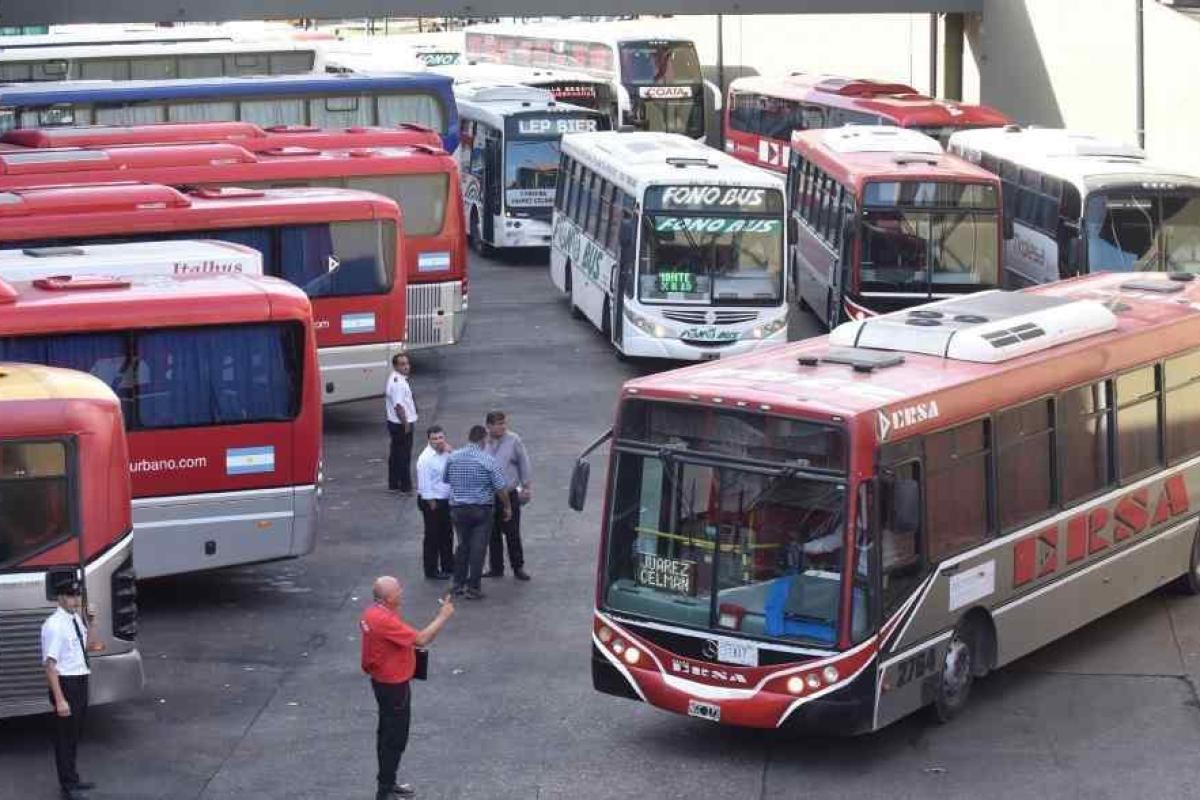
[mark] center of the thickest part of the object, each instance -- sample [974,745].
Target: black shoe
[444,576]
[71,793]
[459,591]
[403,790]
[520,574]
[493,573]
[84,786]
[475,594]
[437,576]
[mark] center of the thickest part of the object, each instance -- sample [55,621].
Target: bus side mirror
[1076,248]
[577,496]
[1008,228]
[905,507]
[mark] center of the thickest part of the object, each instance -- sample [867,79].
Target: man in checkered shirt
[475,481]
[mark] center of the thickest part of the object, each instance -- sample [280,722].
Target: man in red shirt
[389,657]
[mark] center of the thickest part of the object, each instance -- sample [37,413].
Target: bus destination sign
[746,199]
[675,282]
[667,574]
[554,126]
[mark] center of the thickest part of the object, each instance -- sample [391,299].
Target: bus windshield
[530,174]
[658,63]
[730,521]
[732,260]
[35,498]
[707,244]
[929,238]
[1140,231]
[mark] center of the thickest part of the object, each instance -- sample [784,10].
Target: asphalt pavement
[254,689]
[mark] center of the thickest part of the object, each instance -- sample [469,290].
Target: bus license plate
[708,711]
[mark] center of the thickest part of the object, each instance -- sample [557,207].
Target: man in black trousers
[401,417]
[66,640]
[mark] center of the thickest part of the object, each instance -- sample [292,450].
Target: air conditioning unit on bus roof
[1064,142]
[502,92]
[879,139]
[986,327]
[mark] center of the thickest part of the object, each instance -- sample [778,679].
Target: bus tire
[958,671]
[1189,582]
[575,312]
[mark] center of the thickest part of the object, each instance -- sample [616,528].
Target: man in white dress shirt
[66,641]
[433,498]
[401,417]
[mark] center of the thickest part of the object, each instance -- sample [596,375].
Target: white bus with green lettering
[672,249]
[508,160]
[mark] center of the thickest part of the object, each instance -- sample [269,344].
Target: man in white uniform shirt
[433,498]
[66,641]
[401,416]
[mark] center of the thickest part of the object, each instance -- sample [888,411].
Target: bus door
[626,264]
[493,167]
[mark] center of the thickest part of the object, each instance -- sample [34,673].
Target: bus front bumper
[639,344]
[117,676]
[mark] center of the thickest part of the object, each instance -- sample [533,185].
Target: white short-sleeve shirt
[399,393]
[61,642]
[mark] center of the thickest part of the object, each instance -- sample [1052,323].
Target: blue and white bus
[316,100]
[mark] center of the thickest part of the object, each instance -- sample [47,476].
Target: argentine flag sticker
[249,460]
[433,262]
[358,323]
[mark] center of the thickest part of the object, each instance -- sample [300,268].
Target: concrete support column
[952,56]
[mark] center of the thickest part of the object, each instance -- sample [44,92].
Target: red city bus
[247,134]
[835,533]
[218,381]
[422,180]
[340,246]
[65,503]
[763,111]
[883,219]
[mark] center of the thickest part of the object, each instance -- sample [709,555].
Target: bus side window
[901,528]
[812,117]
[593,204]
[578,195]
[560,187]
[606,197]
[958,503]
[478,141]
[1025,487]
[1138,442]
[1181,382]
[1084,441]
[614,222]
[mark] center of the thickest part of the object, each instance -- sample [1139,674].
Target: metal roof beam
[40,12]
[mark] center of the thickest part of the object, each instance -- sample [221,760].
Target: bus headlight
[606,634]
[813,681]
[830,674]
[769,329]
[644,325]
[795,684]
[632,655]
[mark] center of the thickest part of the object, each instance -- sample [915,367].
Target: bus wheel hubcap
[956,670]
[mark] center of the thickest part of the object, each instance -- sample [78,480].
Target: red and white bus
[762,112]
[835,533]
[341,246]
[248,135]
[65,504]
[218,381]
[422,180]
[883,219]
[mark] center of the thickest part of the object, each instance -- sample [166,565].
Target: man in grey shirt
[508,450]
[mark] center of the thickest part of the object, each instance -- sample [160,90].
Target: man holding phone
[389,656]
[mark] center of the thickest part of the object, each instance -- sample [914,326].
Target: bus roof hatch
[987,327]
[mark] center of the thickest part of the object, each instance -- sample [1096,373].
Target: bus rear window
[423,198]
[183,377]
[35,510]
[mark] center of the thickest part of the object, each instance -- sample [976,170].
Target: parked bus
[248,135]
[762,112]
[65,501]
[670,248]
[659,83]
[567,86]
[422,181]
[217,377]
[883,219]
[340,246]
[1080,203]
[320,100]
[509,160]
[840,532]
[135,259]
[157,61]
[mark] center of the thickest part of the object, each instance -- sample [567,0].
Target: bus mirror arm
[577,492]
[1008,227]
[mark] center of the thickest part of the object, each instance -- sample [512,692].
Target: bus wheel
[477,243]
[1189,582]
[575,312]
[957,674]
